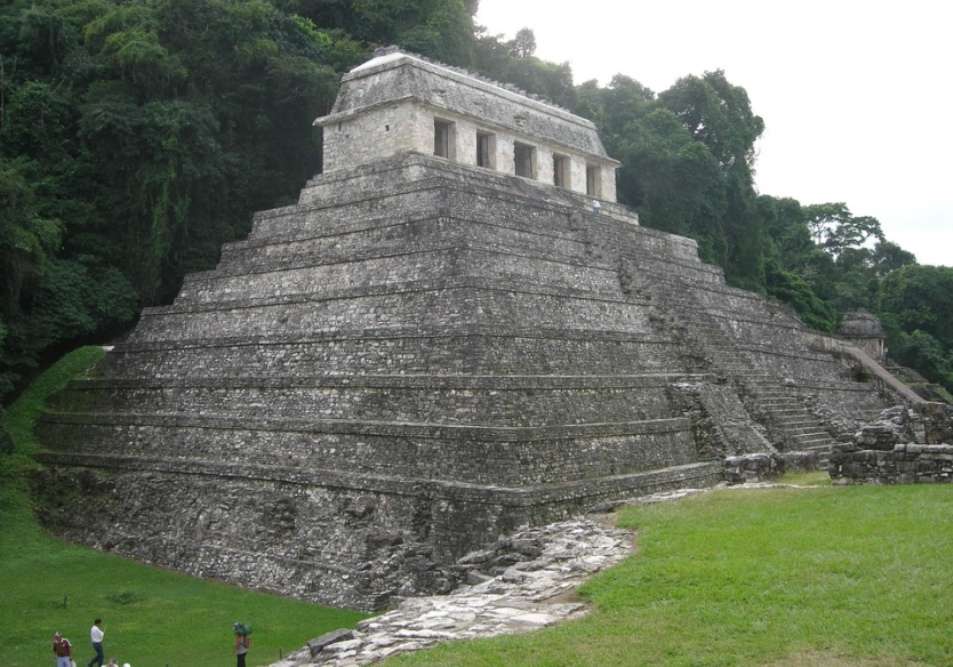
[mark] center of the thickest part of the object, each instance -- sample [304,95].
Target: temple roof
[395,76]
[861,324]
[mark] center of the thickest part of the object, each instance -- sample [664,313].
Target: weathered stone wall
[422,453]
[400,351]
[904,464]
[905,445]
[766,466]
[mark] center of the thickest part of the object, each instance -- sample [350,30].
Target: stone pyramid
[428,351]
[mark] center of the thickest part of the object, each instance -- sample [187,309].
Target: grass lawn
[821,576]
[152,617]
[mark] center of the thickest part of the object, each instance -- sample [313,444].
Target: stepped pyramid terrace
[456,331]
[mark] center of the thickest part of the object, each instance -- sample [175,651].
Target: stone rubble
[523,582]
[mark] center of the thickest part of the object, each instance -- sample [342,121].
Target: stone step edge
[638,255]
[447,187]
[407,287]
[282,264]
[491,189]
[395,334]
[526,496]
[430,431]
[424,381]
[714,274]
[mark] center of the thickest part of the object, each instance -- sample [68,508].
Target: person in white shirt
[96,635]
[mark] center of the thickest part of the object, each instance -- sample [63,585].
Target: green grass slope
[820,576]
[152,617]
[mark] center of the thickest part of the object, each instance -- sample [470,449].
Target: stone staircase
[793,426]
[790,425]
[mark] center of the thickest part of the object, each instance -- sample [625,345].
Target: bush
[924,353]
[6,442]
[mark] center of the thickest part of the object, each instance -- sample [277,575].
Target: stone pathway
[523,582]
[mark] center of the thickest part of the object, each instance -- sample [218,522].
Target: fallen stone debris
[523,582]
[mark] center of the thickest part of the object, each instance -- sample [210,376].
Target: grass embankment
[822,576]
[153,617]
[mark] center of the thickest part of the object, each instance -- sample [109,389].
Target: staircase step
[810,435]
[803,430]
[807,444]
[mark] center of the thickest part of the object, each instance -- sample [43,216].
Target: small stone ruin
[903,446]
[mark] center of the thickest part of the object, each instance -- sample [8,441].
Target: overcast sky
[856,96]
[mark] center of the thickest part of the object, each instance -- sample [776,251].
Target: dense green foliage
[153,617]
[17,425]
[918,303]
[136,138]
[820,576]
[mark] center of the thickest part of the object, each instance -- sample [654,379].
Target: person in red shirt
[63,650]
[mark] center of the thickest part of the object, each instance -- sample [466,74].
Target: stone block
[318,644]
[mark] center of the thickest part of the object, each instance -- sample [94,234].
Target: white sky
[855,95]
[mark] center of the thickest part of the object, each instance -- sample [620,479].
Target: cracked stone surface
[523,582]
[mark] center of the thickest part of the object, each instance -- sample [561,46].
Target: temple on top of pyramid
[397,102]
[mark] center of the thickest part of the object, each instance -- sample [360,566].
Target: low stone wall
[763,465]
[904,464]
[881,454]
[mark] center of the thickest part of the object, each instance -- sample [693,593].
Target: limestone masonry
[454,333]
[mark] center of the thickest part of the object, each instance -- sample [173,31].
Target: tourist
[96,635]
[242,642]
[63,650]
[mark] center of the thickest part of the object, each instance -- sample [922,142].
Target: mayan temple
[454,332]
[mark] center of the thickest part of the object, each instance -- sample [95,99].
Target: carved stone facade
[398,103]
[419,356]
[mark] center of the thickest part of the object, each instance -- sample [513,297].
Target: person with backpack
[63,650]
[242,642]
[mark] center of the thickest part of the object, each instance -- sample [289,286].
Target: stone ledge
[386,222]
[445,284]
[499,188]
[281,264]
[472,220]
[463,262]
[392,429]
[527,496]
[790,326]
[842,388]
[760,349]
[427,168]
[131,347]
[233,268]
[424,381]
